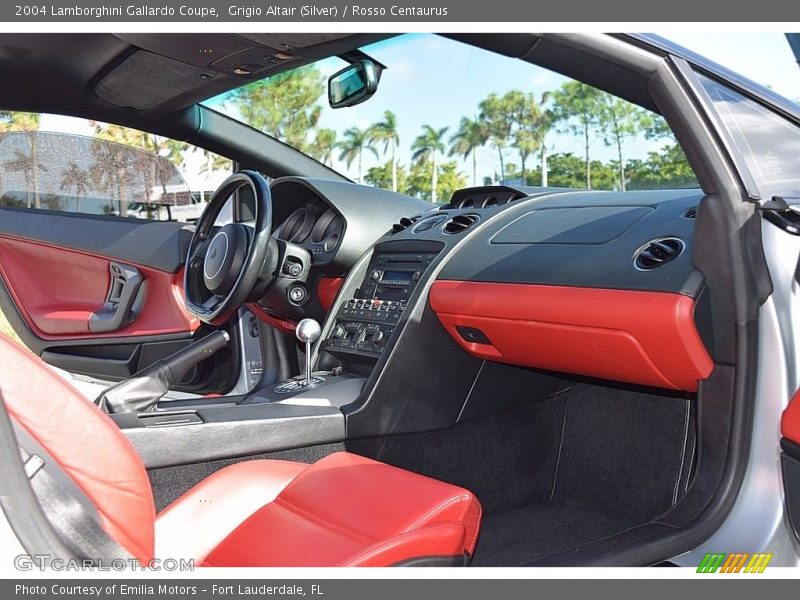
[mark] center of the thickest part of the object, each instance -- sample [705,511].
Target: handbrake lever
[142,391]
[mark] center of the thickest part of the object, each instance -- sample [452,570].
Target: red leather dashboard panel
[647,338]
[57,290]
[327,290]
[790,422]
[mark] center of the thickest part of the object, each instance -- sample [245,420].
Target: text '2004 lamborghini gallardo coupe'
[551,319]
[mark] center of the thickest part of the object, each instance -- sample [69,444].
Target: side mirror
[354,84]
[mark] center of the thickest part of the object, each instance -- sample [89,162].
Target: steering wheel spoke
[199,252]
[224,263]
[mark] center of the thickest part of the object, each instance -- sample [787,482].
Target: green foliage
[11,120]
[417,182]
[470,135]
[323,146]
[449,179]
[578,109]
[620,121]
[381,177]
[285,106]
[569,171]
[667,168]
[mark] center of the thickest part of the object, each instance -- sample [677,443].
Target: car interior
[524,376]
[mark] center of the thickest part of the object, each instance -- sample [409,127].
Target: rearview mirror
[354,84]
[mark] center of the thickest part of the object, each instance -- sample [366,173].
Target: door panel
[56,274]
[58,290]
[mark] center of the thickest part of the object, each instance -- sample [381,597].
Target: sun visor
[145,80]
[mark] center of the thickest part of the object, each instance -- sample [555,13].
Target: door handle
[123,301]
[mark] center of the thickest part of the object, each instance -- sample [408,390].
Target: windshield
[448,115]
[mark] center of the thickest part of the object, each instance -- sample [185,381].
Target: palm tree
[324,145]
[353,146]
[425,148]
[11,120]
[386,131]
[471,135]
[73,177]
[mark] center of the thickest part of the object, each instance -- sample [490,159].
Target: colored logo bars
[719,562]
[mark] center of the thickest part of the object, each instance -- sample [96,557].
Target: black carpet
[169,483]
[561,472]
[517,537]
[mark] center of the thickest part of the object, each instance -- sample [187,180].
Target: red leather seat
[344,510]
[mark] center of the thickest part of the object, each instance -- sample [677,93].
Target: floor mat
[575,468]
[518,537]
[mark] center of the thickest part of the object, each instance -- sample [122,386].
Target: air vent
[429,223]
[657,252]
[404,223]
[690,214]
[460,223]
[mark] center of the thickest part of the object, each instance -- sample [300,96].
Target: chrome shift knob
[307,331]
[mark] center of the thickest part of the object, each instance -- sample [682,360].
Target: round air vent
[460,223]
[429,223]
[657,253]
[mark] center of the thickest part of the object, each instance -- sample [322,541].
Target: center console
[364,323]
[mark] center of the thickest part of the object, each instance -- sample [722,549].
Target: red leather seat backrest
[88,446]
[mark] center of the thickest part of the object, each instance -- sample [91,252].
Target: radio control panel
[365,323]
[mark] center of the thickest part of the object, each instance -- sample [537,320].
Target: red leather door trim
[57,289]
[647,338]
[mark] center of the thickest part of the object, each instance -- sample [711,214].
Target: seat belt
[68,509]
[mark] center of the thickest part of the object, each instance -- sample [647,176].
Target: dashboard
[591,283]
[558,282]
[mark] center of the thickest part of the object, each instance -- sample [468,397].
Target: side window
[50,162]
[767,142]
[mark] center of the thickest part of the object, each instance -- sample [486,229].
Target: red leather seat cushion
[347,510]
[196,522]
[343,510]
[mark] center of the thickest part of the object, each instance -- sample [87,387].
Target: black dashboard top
[335,221]
[638,240]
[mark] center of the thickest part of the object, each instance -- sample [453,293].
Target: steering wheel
[225,265]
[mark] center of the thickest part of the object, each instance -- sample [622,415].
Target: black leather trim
[157,244]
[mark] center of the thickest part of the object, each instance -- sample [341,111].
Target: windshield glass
[448,115]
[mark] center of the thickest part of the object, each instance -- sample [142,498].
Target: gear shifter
[307,331]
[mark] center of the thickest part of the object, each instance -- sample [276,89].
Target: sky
[435,81]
